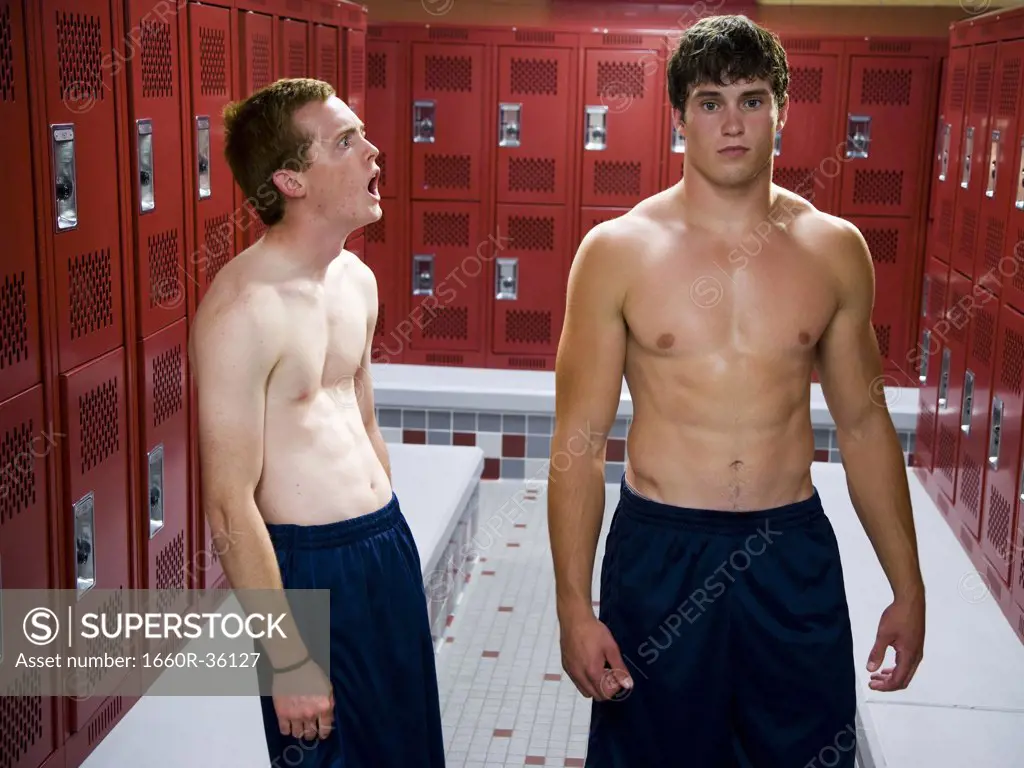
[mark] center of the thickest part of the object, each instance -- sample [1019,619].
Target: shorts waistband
[638,507]
[292,536]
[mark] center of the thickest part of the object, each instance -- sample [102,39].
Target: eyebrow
[360,126]
[745,94]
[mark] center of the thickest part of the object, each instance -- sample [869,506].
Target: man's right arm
[588,388]
[232,355]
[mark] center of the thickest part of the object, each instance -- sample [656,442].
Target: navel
[805,338]
[666,340]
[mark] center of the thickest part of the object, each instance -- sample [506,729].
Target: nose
[732,125]
[372,149]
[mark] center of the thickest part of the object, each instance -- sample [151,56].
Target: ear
[289,183]
[677,121]
[783,112]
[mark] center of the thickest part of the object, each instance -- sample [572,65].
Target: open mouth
[372,186]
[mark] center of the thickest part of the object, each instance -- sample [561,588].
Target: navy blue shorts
[736,632]
[387,711]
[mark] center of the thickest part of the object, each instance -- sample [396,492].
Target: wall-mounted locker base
[108,713]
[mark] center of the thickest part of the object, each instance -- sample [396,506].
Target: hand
[587,645]
[902,627]
[304,702]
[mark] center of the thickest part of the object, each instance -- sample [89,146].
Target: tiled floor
[506,701]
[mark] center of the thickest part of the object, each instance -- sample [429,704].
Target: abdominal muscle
[319,465]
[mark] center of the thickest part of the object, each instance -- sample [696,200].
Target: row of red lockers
[969,358]
[482,216]
[110,119]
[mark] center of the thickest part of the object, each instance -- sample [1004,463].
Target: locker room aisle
[506,702]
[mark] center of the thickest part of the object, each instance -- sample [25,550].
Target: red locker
[19,302]
[622,111]
[951,330]
[80,144]
[807,159]
[355,71]
[96,504]
[887,104]
[165,540]
[294,48]
[213,194]
[528,275]
[975,159]
[673,154]
[1002,483]
[892,246]
[1003,175]
[387,96]
[156,158]
[326,62]
[928,361]
[26,548]
[535,99]
[384,248]
[259,67]
[447,121]
[950,142]
[448,282]
[977,398]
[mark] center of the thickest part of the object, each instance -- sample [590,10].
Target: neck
[727,210]
[311,244]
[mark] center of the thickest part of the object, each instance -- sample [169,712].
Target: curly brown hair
[721,49]
[260,138]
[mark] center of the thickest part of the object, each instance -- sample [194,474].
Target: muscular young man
[723,636]
[293,464]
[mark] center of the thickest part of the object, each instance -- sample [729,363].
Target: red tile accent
[414,436]
[574,762]
[483,559]
[464,438]
[534,760]
[553,678]
[616,449]
[513,446]
[821,454]
[449,620]
[492,469]
[490,654]
[449,639]
[513,544]
[505,609]
[520,525]
[487,573]
[502,733]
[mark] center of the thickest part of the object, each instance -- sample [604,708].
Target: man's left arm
[850,372]
[364,384]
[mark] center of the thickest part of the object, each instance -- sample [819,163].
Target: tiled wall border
[517,446]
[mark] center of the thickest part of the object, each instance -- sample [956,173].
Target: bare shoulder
[835,243]
[612,249]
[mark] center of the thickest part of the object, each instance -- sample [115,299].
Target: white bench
[438,490]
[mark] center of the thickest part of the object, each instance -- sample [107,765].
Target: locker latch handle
[596,128]
[945,138]
[678,141]
[85,543]
[506,279]
[423,121]
[203,156]
[944,377]
[423,274]
[993,164]
[65,188]
[858,136]
[965,176]
[156,490]
[926,287]
[926,342]
[144,132]
[1020,178]
[778,143]
[996,434]
[967,406]
[509,125]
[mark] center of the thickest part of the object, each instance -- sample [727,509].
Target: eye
[754,103]
[708,104]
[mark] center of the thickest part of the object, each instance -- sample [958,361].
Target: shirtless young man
[293,463]
[723,636]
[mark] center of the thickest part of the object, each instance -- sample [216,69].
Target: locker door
[157,194]
[1012,268]
[19,303]
[886,105]
[977,398]
[325,56]
[386,88]
[1002,176]
[1002,486]
[621,117]
[294,48]
[952,329]
[974,162]
[355,59]
[534,125]
[384,246]
[927,365]
[448,277]
[807,161]
[529,280]
[949,148]
[259,68]
[81,148]
[27,547]
[447,92]
[214,193]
